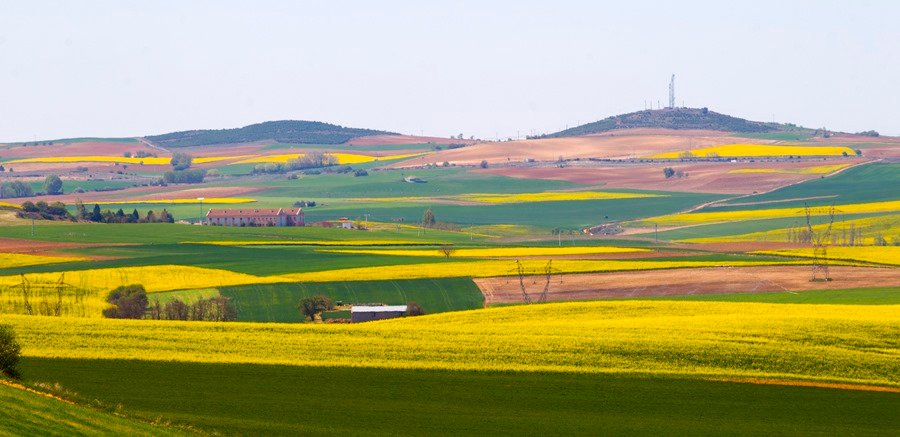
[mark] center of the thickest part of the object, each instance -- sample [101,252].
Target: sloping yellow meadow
[837,343]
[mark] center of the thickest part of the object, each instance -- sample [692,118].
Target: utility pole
[32,227]
[200,219]
[656,227]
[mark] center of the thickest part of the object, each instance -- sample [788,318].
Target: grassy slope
[867,183]
[277,302]
[257,399]
[853,296]
[26,413]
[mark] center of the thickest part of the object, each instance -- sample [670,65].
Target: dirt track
[675,282]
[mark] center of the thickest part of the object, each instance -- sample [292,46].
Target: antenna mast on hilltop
[672,93]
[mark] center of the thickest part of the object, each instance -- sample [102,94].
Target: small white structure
[366,313]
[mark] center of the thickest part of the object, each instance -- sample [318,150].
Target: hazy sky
[123,68]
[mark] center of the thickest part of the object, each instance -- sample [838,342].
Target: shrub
[181,161]
[360,172]
[313,305]
[130,302]
[669,172]
[10,351]
[484,164]
[414,309]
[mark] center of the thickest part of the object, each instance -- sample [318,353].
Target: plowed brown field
[675,282]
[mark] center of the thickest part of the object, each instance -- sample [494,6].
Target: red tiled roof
[253,212]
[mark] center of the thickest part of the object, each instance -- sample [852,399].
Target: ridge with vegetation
[677,118]
[282,131]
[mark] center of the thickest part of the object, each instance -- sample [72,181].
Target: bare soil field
[700,177]
[610,145]
[675,282]
[75,149]
[375,140]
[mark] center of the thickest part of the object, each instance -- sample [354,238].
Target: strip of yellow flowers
[835,343]
[757,214]
[757,150]
[874,254]
[495,252]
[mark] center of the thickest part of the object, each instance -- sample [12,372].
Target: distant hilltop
[675,118]
[283,131]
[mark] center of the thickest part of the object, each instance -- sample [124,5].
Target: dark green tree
[96,215]
[53,184]
[181,161]
[130,302]
[311,306]
[9,352]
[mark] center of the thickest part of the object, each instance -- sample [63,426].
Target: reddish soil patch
[76,149]
[676,282]
[193,193]
[138,194]
[15,245]
[376,140]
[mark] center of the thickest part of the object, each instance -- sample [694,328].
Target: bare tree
[447,250]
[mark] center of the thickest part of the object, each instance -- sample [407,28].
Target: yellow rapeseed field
[758,150]
[820,169]
[9,205]
[757,214]
[207,200]
[834,343]
[10,260]
[95,284]
[496,251]
[550,196]
[874,254]
[343,158]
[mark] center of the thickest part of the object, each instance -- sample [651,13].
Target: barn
[365,313]
[255,217]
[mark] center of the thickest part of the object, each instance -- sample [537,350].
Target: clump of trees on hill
[309,160]
[192,176]
[15,189]
[181,161]
[43,211]
[284,131]
[53,185]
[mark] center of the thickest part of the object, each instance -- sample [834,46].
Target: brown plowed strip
[839,386]
[686,281]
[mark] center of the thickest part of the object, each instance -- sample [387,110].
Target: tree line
[131,302]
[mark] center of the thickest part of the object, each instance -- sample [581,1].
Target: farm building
[365,313]
[255,217]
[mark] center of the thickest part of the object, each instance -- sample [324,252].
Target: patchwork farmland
[627,270]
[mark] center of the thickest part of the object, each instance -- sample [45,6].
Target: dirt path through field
[677,282]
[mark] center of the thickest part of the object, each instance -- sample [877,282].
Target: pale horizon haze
[488,69]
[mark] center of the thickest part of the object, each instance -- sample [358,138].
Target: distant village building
[365,313]
[255,217]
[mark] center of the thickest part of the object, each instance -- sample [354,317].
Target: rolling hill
[676,118]
[283,131]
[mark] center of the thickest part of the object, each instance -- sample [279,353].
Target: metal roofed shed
[367,313]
